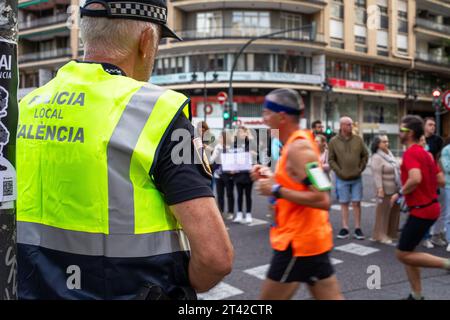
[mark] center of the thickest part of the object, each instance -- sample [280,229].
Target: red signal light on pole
[436,93]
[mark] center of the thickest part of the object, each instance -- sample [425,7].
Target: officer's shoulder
[167,92]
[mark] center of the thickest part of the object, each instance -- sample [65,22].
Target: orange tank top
[307,229]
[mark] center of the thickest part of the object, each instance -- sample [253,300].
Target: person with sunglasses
[420,177]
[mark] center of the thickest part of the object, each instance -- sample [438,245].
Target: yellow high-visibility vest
[86,142]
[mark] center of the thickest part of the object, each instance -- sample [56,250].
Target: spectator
[436,236]
[445,165]
[321,141]
[434,142]
[317,127]
[347,156]
[386,175]
[224,180]
[242,179]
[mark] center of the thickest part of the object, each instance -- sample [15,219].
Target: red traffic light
[436,93]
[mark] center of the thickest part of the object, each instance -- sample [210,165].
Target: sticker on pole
[8,187]
[446,99]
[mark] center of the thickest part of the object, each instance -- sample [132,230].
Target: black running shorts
[413,232]
[284,267]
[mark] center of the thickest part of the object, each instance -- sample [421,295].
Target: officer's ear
[145,42]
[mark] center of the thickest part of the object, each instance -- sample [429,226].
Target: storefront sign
[360,85]
[311,79]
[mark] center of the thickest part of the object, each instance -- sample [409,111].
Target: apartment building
[382,57]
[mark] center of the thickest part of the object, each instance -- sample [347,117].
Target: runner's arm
[414,179]
[299,154]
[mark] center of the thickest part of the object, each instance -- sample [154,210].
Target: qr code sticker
[7,188]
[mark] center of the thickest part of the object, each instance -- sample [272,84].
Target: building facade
[382,57]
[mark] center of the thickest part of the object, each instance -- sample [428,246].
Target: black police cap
[145,10]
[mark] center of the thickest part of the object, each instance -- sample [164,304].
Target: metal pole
[437,116]
[230,83]
[8,124]
[205,96]
[327,109]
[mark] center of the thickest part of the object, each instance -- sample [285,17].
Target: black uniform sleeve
[180,182]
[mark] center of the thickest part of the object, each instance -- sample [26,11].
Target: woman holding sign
[243,156]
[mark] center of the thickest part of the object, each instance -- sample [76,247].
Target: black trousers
[247,189]
[225,183]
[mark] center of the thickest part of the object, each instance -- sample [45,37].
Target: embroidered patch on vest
[201,156]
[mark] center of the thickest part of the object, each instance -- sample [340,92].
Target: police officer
[105,212]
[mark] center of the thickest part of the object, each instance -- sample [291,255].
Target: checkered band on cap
[136,9]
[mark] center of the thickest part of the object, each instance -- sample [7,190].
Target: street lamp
[327,88]
[437,107]
[311,27]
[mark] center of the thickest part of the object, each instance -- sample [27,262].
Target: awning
[30,3]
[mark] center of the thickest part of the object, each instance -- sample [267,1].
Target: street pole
[437,106]
[437,116]
[205,96]
[8,125]
[249,42]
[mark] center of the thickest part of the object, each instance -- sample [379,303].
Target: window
[209,23]
[337,24]
[293,64]
[262,62]
[377,112]
[360,34]
[360,12]
[336,29]
[291,21]
[337,10]
[402,36]
[251,20]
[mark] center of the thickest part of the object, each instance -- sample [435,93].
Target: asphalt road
[356,262]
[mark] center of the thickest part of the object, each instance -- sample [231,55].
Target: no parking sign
[446,99]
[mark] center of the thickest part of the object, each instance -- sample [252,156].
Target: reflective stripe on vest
[98,244]
[96,197]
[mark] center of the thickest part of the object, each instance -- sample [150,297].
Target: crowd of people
[343,159]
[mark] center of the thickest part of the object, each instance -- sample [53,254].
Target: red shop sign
[357,84]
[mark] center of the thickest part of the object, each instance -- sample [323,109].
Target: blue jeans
[349,190]
[446,211]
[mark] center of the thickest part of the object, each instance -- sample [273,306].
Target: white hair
[287,97]
[114,37]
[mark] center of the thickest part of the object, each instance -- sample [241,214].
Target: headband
[275,107]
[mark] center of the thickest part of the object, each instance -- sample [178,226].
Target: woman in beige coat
[386,174]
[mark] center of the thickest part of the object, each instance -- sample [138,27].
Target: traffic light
[227,116]
[329,133]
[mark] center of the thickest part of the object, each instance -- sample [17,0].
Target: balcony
[303,6]
[236,33]
[36,23]
[433,59]
[431,25]
[45,55]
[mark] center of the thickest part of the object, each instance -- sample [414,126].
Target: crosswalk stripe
[258,272]
[220,292]
[335,261]
[257,222]
[356,249]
